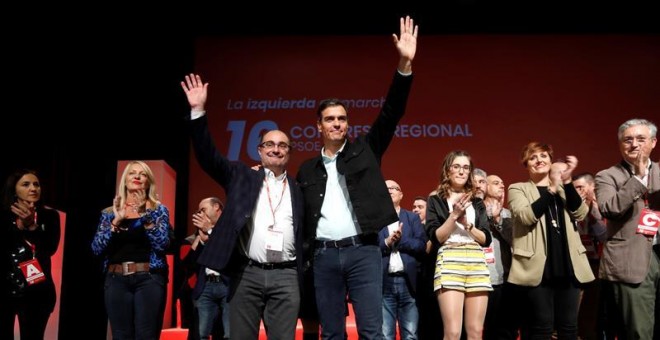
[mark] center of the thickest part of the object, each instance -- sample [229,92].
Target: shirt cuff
[401,73]
[196,114]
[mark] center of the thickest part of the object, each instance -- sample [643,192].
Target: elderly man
[628,196]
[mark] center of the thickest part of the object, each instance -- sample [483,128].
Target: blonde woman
[133,235]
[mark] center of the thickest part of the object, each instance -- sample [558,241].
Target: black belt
[272,265]
[345,242]
[214,278]
[397,274]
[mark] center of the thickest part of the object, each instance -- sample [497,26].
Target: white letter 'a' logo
[32,270]
[650,219]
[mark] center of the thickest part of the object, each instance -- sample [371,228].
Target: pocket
[523,252]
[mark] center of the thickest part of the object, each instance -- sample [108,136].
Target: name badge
[32,271]
[649,221]
[274,240]
[490,255]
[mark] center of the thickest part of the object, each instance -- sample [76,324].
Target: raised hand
[567,174]
[641,161]
[202,222]
[196,91]
[460,206]
[120,213]
[406,43]
[395,236]
[25,212]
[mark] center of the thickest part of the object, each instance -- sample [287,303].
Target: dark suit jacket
[626,254]
[411,246]
[201,273]
[242,186]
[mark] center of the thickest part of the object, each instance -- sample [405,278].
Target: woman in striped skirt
[456,221]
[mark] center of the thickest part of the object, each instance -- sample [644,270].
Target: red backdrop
[487,94]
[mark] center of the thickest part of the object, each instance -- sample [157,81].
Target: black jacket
[359,162]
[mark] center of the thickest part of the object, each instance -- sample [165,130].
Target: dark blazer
[201,273]
[359,162]
[626,254]
[437,211]
[46,239]
[411,246]
[242,186]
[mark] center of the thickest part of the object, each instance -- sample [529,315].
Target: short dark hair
[420,198]
[587,176]
[326,103]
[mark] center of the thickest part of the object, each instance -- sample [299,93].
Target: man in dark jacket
[347,203]
[258,239]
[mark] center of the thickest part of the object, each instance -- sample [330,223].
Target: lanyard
[270,203]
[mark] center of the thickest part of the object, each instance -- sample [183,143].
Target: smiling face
[28,189]
[136,178]
[333,125]
[539,163]
[636,140]
[274,151]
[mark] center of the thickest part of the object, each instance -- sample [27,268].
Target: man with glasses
[347,203]
[258,239]
[402,244]
[628,196]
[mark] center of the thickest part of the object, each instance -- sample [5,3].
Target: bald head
[395,192]
[274,151]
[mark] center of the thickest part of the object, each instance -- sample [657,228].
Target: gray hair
[479,172]
[638,121]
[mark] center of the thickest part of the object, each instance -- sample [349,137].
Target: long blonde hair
[122,191]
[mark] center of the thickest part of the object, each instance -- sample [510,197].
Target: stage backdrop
[487,94]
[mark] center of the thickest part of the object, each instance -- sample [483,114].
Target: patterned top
[136,243]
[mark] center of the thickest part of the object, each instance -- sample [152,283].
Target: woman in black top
[30,236]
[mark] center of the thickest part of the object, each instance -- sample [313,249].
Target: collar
[327,159]
[631,167]
[271,175]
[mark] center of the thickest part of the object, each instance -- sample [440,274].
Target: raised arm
[210,159]
[406,44]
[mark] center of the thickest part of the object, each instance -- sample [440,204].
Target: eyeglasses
[630,140]
[457,167]
[271,145]
[394,188]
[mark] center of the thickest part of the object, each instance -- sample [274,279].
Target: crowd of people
[471,260]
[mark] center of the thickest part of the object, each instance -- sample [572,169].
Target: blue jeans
[209,304]
[399,305]
[135,304]
[356,270]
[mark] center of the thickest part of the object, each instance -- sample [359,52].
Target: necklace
[555,217]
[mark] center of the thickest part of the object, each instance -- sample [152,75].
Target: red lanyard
[270,203]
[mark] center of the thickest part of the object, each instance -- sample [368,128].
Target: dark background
[87,90]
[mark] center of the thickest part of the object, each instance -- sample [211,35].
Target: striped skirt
[462,267]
